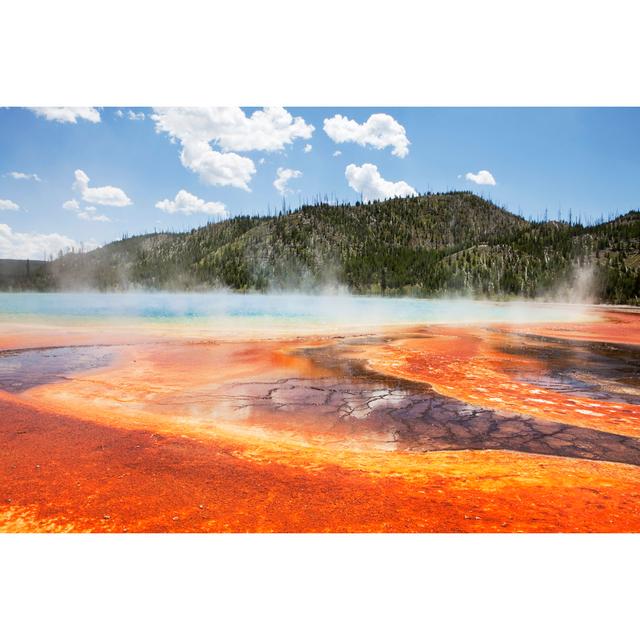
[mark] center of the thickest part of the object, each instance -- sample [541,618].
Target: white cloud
[18,175]
[283,177]
[268,129]
[32,245]
[109,196]
[67,114]
[379,131]
[88,213]
[368,181]
[91,216]
[307,148]
[337,153]
[215,168]
[8,205]
[187,204]
[130,114]
[228,128]
[261,161]
[71,205]
[482,177]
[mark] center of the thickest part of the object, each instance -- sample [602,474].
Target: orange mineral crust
[64,474]
[424,429]
[617,327]
[464,364]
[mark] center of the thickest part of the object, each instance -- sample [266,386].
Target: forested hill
[424,245]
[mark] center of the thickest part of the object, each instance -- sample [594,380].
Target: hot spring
[243,412]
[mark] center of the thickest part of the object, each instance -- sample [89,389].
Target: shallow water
[314,309]
[21,369]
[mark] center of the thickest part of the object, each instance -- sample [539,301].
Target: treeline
[434,244]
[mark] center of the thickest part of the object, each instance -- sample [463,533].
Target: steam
[579,287]
[294,311]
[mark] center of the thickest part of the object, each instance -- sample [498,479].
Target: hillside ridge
[426,245]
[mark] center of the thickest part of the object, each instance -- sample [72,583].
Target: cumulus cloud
[33,245]
[307,148]
[187,204]
[482,177]
[229,129]
[282,178]
[368,181]
[337,153]
[215,168]
[18,175]
[109,196]
[86,213]
[68,115]
[379,131]
[8,205]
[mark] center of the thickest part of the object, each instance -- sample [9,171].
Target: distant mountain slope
[424,245]
[22,273]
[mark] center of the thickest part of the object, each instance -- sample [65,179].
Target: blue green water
[288,307]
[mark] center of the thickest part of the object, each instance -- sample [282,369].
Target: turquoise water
[334,309]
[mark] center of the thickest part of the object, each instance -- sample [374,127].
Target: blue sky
[105,172]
